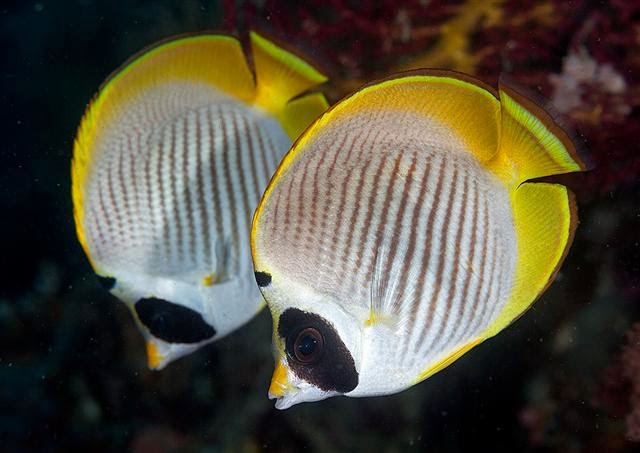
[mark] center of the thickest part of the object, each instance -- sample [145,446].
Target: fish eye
[307,346]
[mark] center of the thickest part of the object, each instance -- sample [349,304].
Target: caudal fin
[532,143]
[281,78]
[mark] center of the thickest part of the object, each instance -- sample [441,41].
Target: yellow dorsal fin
[216,60]
[532,144]
[545,220]
[469,109]
[282,76]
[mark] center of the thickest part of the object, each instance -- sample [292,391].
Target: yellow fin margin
[532,144]
[213,59]
[195,58]
[442,364]
[280,77]
[545,220]
[454,99]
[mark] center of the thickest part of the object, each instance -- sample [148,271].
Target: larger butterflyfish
[169,163]
[404,228]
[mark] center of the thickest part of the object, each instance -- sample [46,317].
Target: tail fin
[532,143]
[282,76]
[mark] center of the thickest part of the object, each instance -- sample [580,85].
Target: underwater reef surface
[564,377]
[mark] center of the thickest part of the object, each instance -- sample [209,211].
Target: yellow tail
[281,79]
[532,145]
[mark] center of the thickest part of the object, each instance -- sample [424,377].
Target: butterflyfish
[403,228]
[169,162]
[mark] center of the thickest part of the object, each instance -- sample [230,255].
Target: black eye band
[315,351]
[171,322]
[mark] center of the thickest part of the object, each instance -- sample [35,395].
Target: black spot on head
[106,282]
[263,279]
[315,351]
[171,322]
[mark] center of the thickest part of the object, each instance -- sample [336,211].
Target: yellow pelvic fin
[442,364]
[215,60]
[532,144]
[545,220]
[282,76]
[154,358]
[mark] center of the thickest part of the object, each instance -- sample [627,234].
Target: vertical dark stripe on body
[500,249]
[136,218]
[276,214]
[163,199]
[253,157]
[472,304]
[241,153]
[426,254]
[333,245]
[126,207]
[313,220]
[378,235]
[396,227]
[451,293]
[187,190]
[300,218]
[275,152]
[105,215]
[151,215]
[266,168]
[229,187]
[493,280]
[112,199]
[441,258]
[214,179]
[364,164]
[175,211]
[96,223]
[370,208]
[202,208]
[485,275]
[287,208]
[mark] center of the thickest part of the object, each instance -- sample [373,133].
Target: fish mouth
[284,402]
[281,389]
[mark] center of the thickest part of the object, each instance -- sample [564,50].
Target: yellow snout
[279,382]
[154,358]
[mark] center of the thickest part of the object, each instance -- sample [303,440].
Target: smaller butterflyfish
[403,228]
[169,162]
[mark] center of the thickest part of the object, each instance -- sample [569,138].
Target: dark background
[72,366]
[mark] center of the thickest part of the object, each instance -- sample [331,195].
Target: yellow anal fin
[545,220]
[442,364]
[280,77]
[532,144]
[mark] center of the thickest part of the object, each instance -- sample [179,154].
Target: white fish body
[170,162]
[400,231]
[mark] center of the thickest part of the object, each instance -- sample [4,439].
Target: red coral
[529,40]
